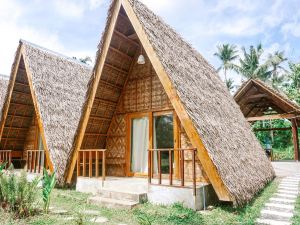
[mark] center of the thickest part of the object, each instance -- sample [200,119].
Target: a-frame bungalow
[259,101]
[42,108]
[159,110]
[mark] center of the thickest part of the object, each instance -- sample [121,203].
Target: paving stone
[59,211]
[272,222]
[68,218]
[289,196]
[91,212]
[277,213]
[282,200]
[280,206]
[99,220]
[288,192]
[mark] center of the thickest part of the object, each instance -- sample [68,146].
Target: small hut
[160,111]
[260,102]
[42,108]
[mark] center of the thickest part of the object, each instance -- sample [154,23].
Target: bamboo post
[295,139]
[182,167]
[78,163]
[97,164]
[90,164]
[159,166]
[170,168]
[84,158]
[149,166]
[103,167]
[194,173]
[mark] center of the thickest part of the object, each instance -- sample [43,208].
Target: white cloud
[93,4]
[292,28]
[69,8]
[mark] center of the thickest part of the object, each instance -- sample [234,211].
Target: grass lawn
[296,218]
[76,203]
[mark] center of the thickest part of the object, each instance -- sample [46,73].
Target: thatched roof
[255,97]
[3,91]
[59,84]
[234,150]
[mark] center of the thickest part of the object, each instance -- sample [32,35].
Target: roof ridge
[57,54]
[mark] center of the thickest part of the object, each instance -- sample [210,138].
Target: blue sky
[73,27]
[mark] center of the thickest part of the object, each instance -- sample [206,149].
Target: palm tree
[230,84]
[250,65]
[294,75]
[274,61]
[227,54]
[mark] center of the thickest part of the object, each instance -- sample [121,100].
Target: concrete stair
[117,199]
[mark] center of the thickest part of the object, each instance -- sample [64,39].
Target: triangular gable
[55,89]
[227,149]
[255,97]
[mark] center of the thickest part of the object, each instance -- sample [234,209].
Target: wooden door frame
[150,115]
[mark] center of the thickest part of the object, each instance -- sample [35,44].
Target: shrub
[17,194]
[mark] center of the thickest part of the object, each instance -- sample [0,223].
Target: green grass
[246,215]
[144,214]
[296,218]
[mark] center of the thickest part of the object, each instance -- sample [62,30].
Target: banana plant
[49,181]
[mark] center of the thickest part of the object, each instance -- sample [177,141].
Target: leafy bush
[49,182]
[17,194]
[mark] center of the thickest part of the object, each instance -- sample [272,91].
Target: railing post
[159,166]
[83,164]
[194,173]
[149,166]
[90,164]
[182,167]
[78,163]
[170,167]
[103,167]
[97,164]
[9,161]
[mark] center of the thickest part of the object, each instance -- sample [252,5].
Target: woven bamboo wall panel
[93,142]
[97,126]
[115,59]
[116,146]
[107,92]
[113,76]
[143,91]
[31,138]
[188,172]
[120,43]
[124,26]
[106,110]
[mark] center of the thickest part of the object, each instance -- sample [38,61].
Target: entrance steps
[117,199]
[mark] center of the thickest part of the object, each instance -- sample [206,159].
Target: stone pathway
[280,209]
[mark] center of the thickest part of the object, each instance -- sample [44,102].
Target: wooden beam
[271,117]
[126,38]
[95,134]
[99,68]
[100,118]
[257,96]
[20,116]
[270,129]
[295,139]
[111,85]
[106,101]
[185,120]
[38,114]
[116,68]
[16,128]
[123,54]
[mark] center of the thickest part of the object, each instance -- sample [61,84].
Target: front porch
[127,192]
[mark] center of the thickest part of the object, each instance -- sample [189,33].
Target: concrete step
[271,222]
[120,195]
[282,200]
[289,185]
[282,207]
[112,203]
[276,215]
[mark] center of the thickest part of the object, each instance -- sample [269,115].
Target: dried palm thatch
[234,150]
[255,97]
[59,84]
[3,91]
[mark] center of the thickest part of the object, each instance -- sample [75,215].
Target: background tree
[226,54]
[250,65]
[275,62]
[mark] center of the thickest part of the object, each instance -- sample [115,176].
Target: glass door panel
[163,137]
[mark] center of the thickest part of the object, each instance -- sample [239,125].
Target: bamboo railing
[35,161]
[89,159]
[5,157]
[171,152]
